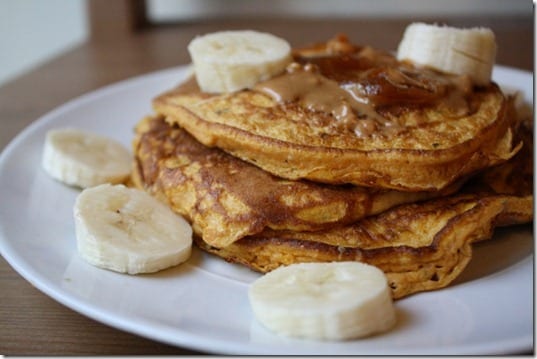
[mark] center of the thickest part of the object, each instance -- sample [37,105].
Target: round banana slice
[229,61]
[324,301]
[452,50]
[85,159]
[128,231]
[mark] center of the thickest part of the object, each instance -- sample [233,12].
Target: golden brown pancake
[420,246]
[403,127]
[226,199]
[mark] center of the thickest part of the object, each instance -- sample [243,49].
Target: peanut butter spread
[359,86]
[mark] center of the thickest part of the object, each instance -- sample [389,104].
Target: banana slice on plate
[85,159]
[228,61]
[324,301]
[126,230]
[452,50]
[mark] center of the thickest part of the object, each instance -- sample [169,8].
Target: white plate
[203,304]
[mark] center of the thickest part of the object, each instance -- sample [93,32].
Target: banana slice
[229,61]
[85,159]
[469,52]
[128,231]
[324,301]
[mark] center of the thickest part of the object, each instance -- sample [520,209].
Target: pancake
[420,246]
[403,128]
[226,199]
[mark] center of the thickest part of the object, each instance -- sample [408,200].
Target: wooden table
[32,323]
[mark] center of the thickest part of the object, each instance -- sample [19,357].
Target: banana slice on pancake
[228,61]
[128,231]
[326,301]
[457,51]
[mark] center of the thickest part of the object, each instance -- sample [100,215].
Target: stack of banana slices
[350,176]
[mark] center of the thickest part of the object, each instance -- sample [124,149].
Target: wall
[33,31]
[166,10]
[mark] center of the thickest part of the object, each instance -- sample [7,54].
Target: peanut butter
[307,86]
[353,86]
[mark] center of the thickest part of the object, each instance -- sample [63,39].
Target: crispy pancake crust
[435,148]
[227,199]
[420,246]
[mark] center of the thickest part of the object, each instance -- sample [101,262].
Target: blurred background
[34,31]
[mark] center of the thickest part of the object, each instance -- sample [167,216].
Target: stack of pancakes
[266,183]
